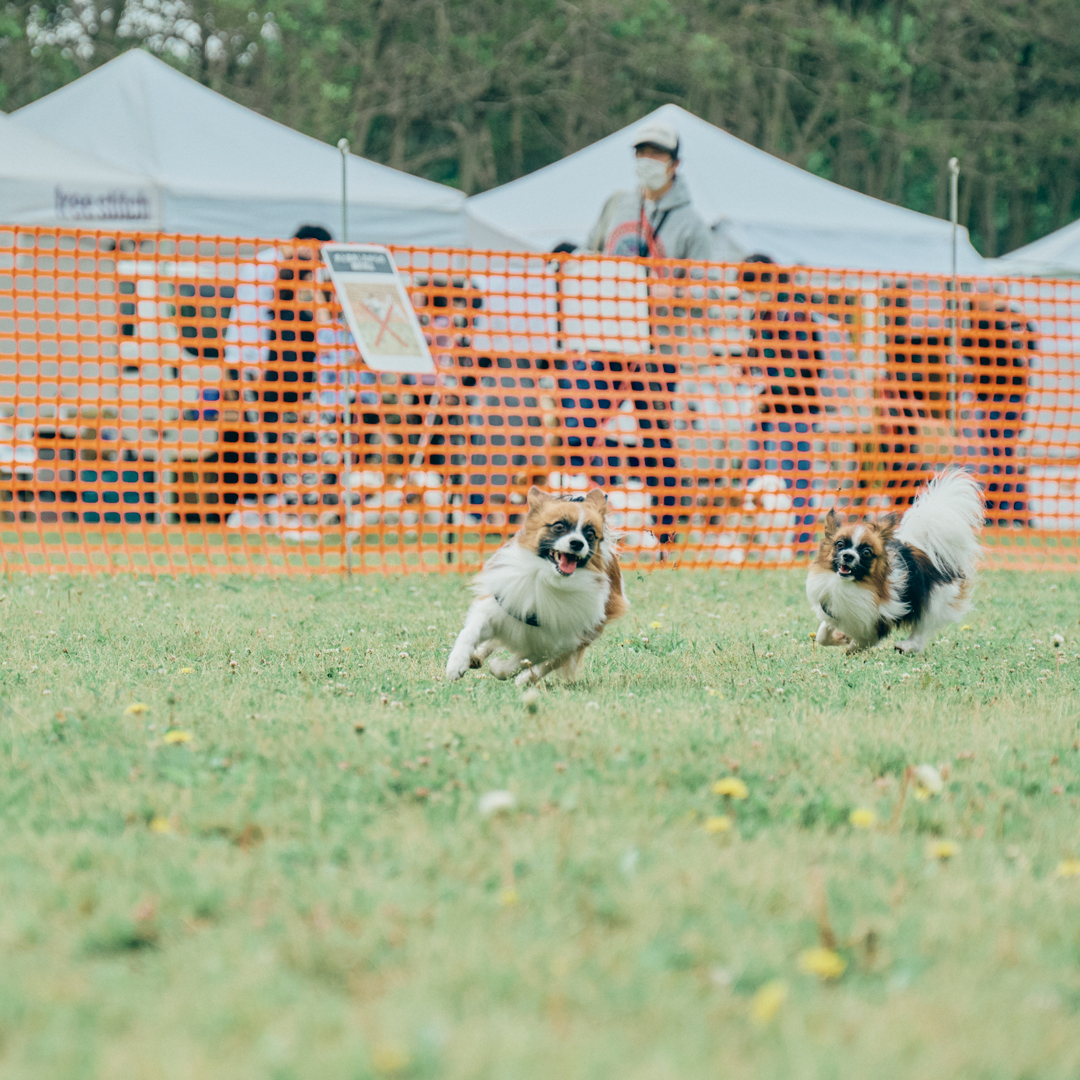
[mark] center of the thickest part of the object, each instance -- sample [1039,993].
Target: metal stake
[346,461]
[343,146]
[346,457]
[954,184]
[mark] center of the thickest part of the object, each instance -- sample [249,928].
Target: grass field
[280,869]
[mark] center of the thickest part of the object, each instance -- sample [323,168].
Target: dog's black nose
[849,556]
[576,545]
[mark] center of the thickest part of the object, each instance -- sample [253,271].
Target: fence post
[346,476]
[954,184]
[343,146]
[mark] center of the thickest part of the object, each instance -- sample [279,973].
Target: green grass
[307,889]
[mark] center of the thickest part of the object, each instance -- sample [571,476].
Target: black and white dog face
[857,551]
[566,532]
[569,542]
[852,559]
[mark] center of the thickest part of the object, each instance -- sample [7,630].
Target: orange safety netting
[178,404]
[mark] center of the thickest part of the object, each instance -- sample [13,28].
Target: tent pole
[343,146]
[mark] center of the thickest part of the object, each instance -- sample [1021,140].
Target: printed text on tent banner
[174,404]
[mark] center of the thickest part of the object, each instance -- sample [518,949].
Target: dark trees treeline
[874,94]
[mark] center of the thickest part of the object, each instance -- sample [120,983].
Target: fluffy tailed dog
[546,595]
[917,572]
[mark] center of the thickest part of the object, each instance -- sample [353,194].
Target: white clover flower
[496,802]
[928,778]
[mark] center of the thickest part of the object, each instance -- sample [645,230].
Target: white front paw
[908,646]
[456,666]
[828,635]
[529,675]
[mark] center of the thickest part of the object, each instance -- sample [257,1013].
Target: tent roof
[753,201]
[139,112]
[43,182]
[26,155]
[1055,255]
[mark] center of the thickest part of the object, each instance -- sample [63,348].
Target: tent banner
[183,404]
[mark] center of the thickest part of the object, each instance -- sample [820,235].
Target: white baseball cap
[657,133]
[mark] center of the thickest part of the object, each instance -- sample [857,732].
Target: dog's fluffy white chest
[538,612]
[845,604]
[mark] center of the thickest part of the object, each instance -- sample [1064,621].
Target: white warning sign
[377,308]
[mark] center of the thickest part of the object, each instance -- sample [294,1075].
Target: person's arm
[594,245]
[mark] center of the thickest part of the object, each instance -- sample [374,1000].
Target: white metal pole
[347,477]
[346,457]
[954,183]
[343,146]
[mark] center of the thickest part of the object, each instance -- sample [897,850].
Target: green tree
[874,94]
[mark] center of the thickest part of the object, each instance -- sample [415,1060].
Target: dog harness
[529,620]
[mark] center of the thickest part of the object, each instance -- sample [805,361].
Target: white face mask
[651,173]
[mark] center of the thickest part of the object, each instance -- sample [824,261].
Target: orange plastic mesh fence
[188,404]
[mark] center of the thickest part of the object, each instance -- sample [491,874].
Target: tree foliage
[874,94]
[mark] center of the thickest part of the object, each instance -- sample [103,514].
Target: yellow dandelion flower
[731,786]
[390,1060]
[862,818]
[824,963]
[175,736]
[966,627]
[136,708]
[767,1001]
[160,825]
[655,625]
[1068,868]
[718,824]
[186,670]
[509,897]
[941,850]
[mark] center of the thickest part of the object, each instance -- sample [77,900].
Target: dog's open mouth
[564,562]
[844,571]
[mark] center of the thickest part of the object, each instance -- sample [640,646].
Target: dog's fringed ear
[887,525]
[537,497]
[598,499]
[832,524]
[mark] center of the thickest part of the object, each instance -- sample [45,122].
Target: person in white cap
[655,220]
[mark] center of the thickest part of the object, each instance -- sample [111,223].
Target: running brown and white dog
[547,594]
[918,572]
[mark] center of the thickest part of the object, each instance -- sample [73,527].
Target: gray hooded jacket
[680,233]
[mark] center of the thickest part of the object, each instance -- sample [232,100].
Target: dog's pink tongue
[567,563]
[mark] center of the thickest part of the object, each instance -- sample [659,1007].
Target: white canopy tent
[43,182]
[224,169]
[1055,255]
[753,202]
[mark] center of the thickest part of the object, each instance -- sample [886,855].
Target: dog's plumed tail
[945,522]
